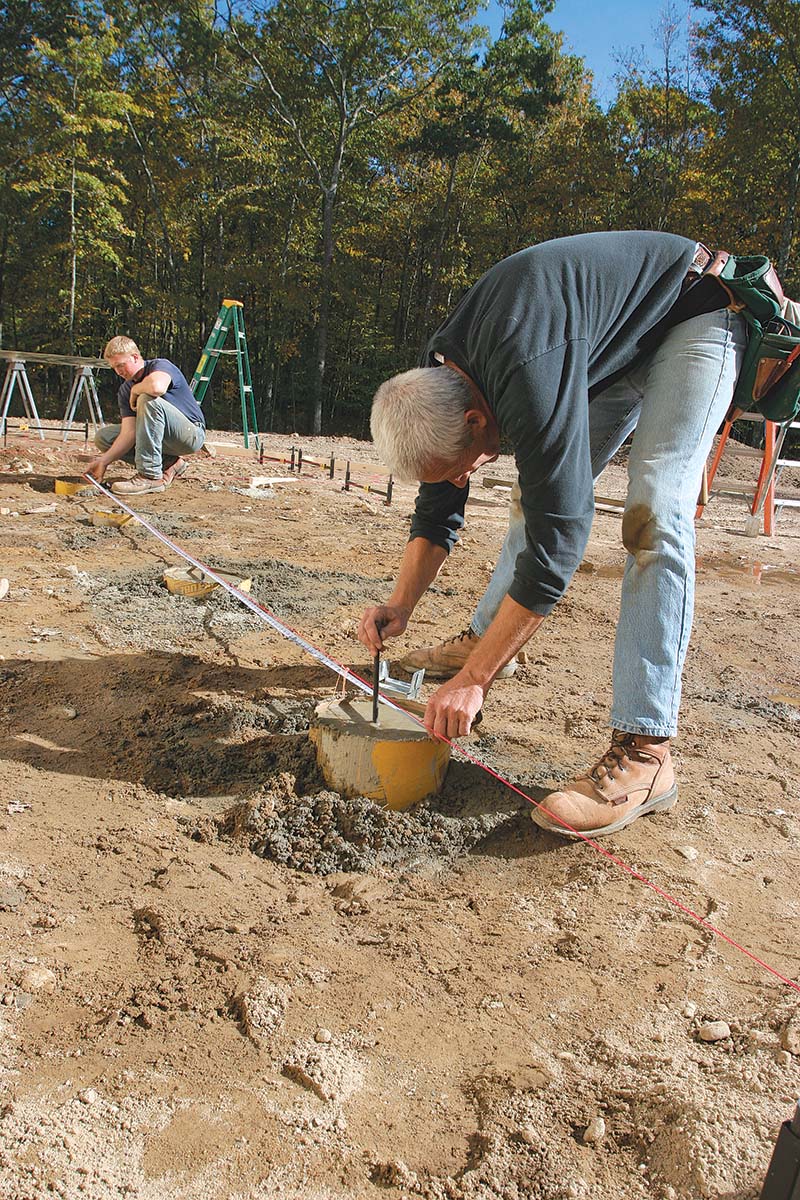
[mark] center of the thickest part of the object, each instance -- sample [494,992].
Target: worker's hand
[379,622]
[132,400]
[452,709]
[96,468]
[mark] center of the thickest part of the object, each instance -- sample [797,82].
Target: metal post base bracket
[399,687]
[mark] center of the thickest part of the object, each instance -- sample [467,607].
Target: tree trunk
[790,200]
[321,336]
[438,255]
[73,250]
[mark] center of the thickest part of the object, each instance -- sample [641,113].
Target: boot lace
[614,758]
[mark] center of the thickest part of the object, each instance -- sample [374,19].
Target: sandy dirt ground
[220,979]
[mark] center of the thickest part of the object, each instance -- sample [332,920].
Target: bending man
[534,346]
[160,421]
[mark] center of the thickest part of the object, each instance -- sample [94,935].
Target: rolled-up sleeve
[439,514]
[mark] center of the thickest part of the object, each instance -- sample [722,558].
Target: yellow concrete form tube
[393,762]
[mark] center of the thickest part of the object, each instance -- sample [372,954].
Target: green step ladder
[231,316]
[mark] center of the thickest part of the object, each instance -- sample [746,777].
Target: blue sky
[598,29]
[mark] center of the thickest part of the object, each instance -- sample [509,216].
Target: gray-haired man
[539,341]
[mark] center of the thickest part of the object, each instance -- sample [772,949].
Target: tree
[328,72]
[750,51]
[74,192]
[661,125]
[483,104]
[21,22]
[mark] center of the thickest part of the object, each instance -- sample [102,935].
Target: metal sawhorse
[83,385]
[16,375]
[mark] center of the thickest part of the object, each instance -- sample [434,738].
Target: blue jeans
[675,400]
[161,429]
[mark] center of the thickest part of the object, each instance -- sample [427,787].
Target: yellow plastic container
[189,581]
[106,516]
[394,761]
[72,485]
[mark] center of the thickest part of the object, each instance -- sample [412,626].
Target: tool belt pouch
[769,382]
[769,378]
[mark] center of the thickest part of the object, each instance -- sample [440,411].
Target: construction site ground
[223,981]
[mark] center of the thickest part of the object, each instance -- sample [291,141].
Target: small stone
[323,1036]
[784,1058]
[8,999]
[10,898]
[790,1035]
[689,1010]
[88,1096]
[688,852]
[714,1031]
[38,979]
[594,1132]
[395,1173]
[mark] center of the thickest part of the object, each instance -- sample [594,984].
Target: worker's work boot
[446,660]
[173,471]
[632,778]
[137,485]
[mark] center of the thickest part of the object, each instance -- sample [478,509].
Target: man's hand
[96,468]
[453,707]
[382,621]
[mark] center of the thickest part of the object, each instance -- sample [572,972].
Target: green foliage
[348,169]
[750,51]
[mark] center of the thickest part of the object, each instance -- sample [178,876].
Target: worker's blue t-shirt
[540,333]
[178,393]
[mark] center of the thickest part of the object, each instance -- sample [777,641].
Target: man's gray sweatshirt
[536,333]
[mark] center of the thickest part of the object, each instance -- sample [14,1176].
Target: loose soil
[222,980]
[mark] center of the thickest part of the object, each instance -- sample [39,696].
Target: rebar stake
[376,676]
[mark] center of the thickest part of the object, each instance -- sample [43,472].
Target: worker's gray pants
[162,431]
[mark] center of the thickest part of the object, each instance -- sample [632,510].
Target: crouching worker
[160,422]
[561,350]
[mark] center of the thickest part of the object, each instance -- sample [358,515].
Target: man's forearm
[421,563]
[155,384]
[122,443]
[511,628]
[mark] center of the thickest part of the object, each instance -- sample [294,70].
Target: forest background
[347,168]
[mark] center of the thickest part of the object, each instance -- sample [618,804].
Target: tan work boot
[632,778]
[176,468]
[446,660]
[137,485]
